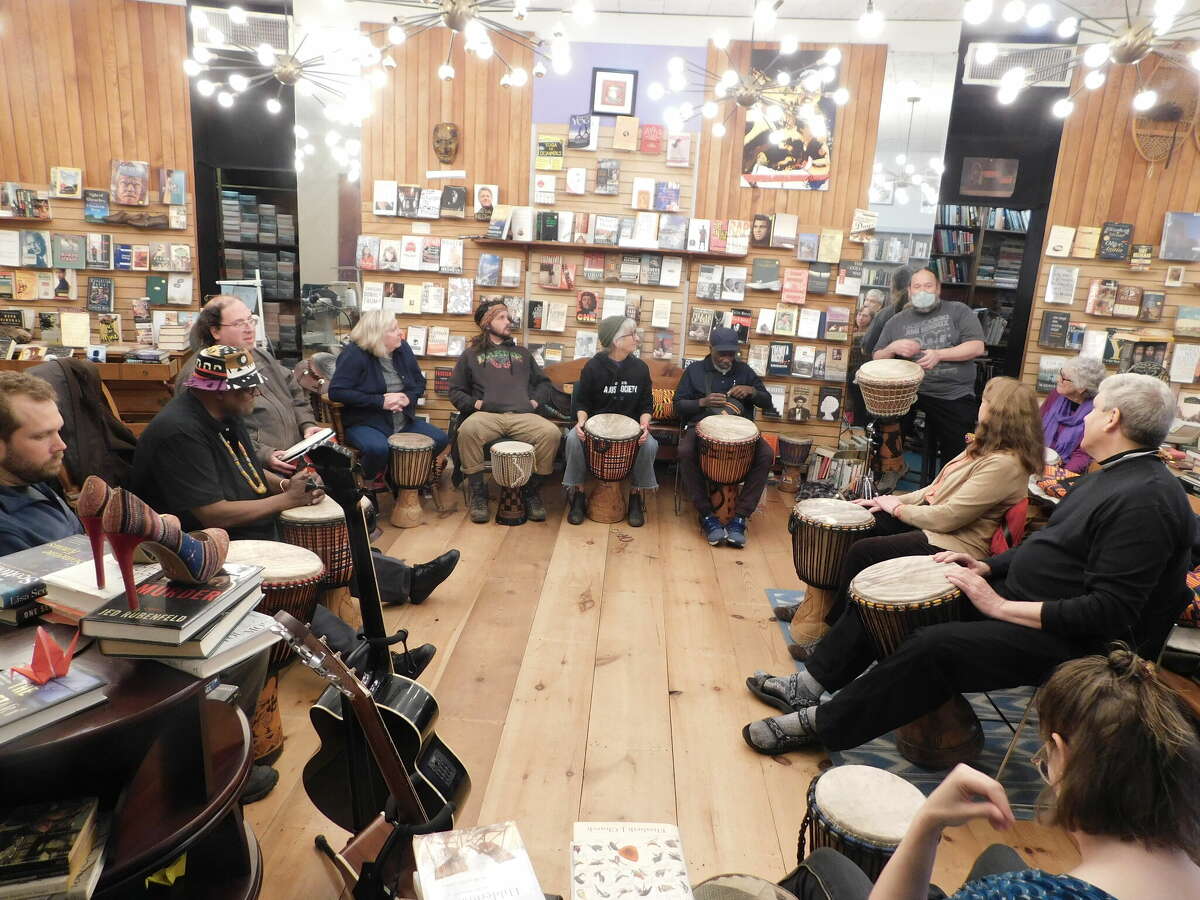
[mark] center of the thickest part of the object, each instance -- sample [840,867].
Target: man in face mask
[944,338]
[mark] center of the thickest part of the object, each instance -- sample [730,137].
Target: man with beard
[493,386]
[944,338]
[706,389]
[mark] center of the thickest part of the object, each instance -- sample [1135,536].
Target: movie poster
[802,160]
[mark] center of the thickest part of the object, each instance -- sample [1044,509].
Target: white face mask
[923,300]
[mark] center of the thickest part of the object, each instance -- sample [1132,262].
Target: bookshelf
[889,250]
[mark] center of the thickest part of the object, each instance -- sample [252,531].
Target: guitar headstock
[315,654]
[341,474]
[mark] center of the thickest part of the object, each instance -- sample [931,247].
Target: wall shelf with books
[600,248]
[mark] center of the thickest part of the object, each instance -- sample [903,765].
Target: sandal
[786,613]
[782,742]
[791,700]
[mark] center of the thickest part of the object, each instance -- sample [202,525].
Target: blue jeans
[577,471]
[373,443]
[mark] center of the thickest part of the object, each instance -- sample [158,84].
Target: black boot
[534,508]
[477,491]
[413,663]
[578,507]
[637,510]
[428,576]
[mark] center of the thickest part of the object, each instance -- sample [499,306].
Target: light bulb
[1007,95]
[299,165]
[1163,24]
[841,96]
[520,10]
[274,106]
[833,56]
[309,149]
[1067,27]
[584,12]
[656,91]
[1167,7]
[676,65]
[506,80]
[191,67]
[986,53]
[225,99]
[266,54]
[976,12]
[353,173]
[332,138]
[677,82]
[718,129]
[1093,80]
[918,180]
[902,195]
[1143,100]
[202,54]
[198,17]
[340,156]
[909,169]
[754,114]
[205,87]
[474,31]
[484,50]
[1013,79]
[1062,108]
[299,154]
[783,79]
[215,36]
[396,34]
[719,90]
[239,82]
[936,164]
[300,131]
[520,77]
[827,74]
[729,78]
[237,15]
[445,71]
[709,110]
[870,23]
[1039,15]
[720,38]
[789,44]
[1096,55]
[811,82]
[1013,11]
[901,159]
[539,69]
[765,16]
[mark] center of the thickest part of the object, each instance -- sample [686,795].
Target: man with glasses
[720,384]
[281,414]
[613,381]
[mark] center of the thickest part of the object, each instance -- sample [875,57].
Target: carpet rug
[1020,777]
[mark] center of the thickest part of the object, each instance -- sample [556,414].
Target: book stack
[268,224]
[53,849]
[173,338]
[25,706]
[20,596]
[231,216]
[200,629]
[285,285]
[289,332]
[287,229]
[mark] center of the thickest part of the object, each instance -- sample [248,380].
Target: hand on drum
[905,347]
[299,492]
[394,401]
[741,391]
[982,569]
[645,434]
[881,503]
[276,463]
[929,359]
[714,399]
[966,794]
[579,430]
[978,591]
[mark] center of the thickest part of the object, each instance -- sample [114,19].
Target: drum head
[868,802]
[827,511]
[885,370]
[280,562]
[727,429]
[612,427]
[408,441]
[511,448]
[739,887]
[904,580]
[327,511]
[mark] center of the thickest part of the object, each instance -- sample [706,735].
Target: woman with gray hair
[1064,410]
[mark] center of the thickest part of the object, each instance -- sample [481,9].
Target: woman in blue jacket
[377,381]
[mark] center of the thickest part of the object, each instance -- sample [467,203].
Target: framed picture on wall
[614,91]
[988,177]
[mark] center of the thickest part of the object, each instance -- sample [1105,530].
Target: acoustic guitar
[397,866]
[343,778]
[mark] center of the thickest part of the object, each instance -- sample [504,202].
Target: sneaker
[735,532]
[637,510]
[714,531]
[578,507]
[261,782]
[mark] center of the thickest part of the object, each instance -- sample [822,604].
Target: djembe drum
[860,811]
[512,467]
[822,531]
[725,447]
[411,461]
[793,454]
[610,445]
[894,597]
[321,529]
[889,386]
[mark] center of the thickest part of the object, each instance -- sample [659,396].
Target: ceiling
[922,10]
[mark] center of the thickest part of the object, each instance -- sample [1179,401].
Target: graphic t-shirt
[949,325]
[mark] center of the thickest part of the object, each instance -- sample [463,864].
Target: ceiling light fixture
[907,176]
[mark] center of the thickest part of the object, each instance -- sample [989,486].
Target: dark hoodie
[504,376]
[606,386]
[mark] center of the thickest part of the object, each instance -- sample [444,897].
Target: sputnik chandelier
[1122,42]
[907,176]
[775,95]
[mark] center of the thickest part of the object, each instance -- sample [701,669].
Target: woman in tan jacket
[961,509]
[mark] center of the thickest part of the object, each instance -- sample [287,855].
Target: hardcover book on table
[25,707]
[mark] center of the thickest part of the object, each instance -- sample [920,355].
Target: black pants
[946,425]
[697,488]
[890,539]
[932,665]
[827,875]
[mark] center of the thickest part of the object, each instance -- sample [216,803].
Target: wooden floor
[597,672]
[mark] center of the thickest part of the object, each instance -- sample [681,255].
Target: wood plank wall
[83,82]
[494,148]
[1101,178]
[719,195]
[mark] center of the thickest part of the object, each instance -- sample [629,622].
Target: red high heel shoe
[93,498]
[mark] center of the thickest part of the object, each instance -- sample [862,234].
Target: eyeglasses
[1064,377]
[252,321]
[1041,762]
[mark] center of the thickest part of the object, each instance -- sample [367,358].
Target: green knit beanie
[610,329]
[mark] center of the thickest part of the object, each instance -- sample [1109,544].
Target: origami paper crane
[49,659]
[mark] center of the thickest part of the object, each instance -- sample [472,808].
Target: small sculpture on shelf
[445,142]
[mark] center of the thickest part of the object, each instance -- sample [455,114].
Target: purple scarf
[1063,426]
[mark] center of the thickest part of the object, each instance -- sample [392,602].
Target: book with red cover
[653,138]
